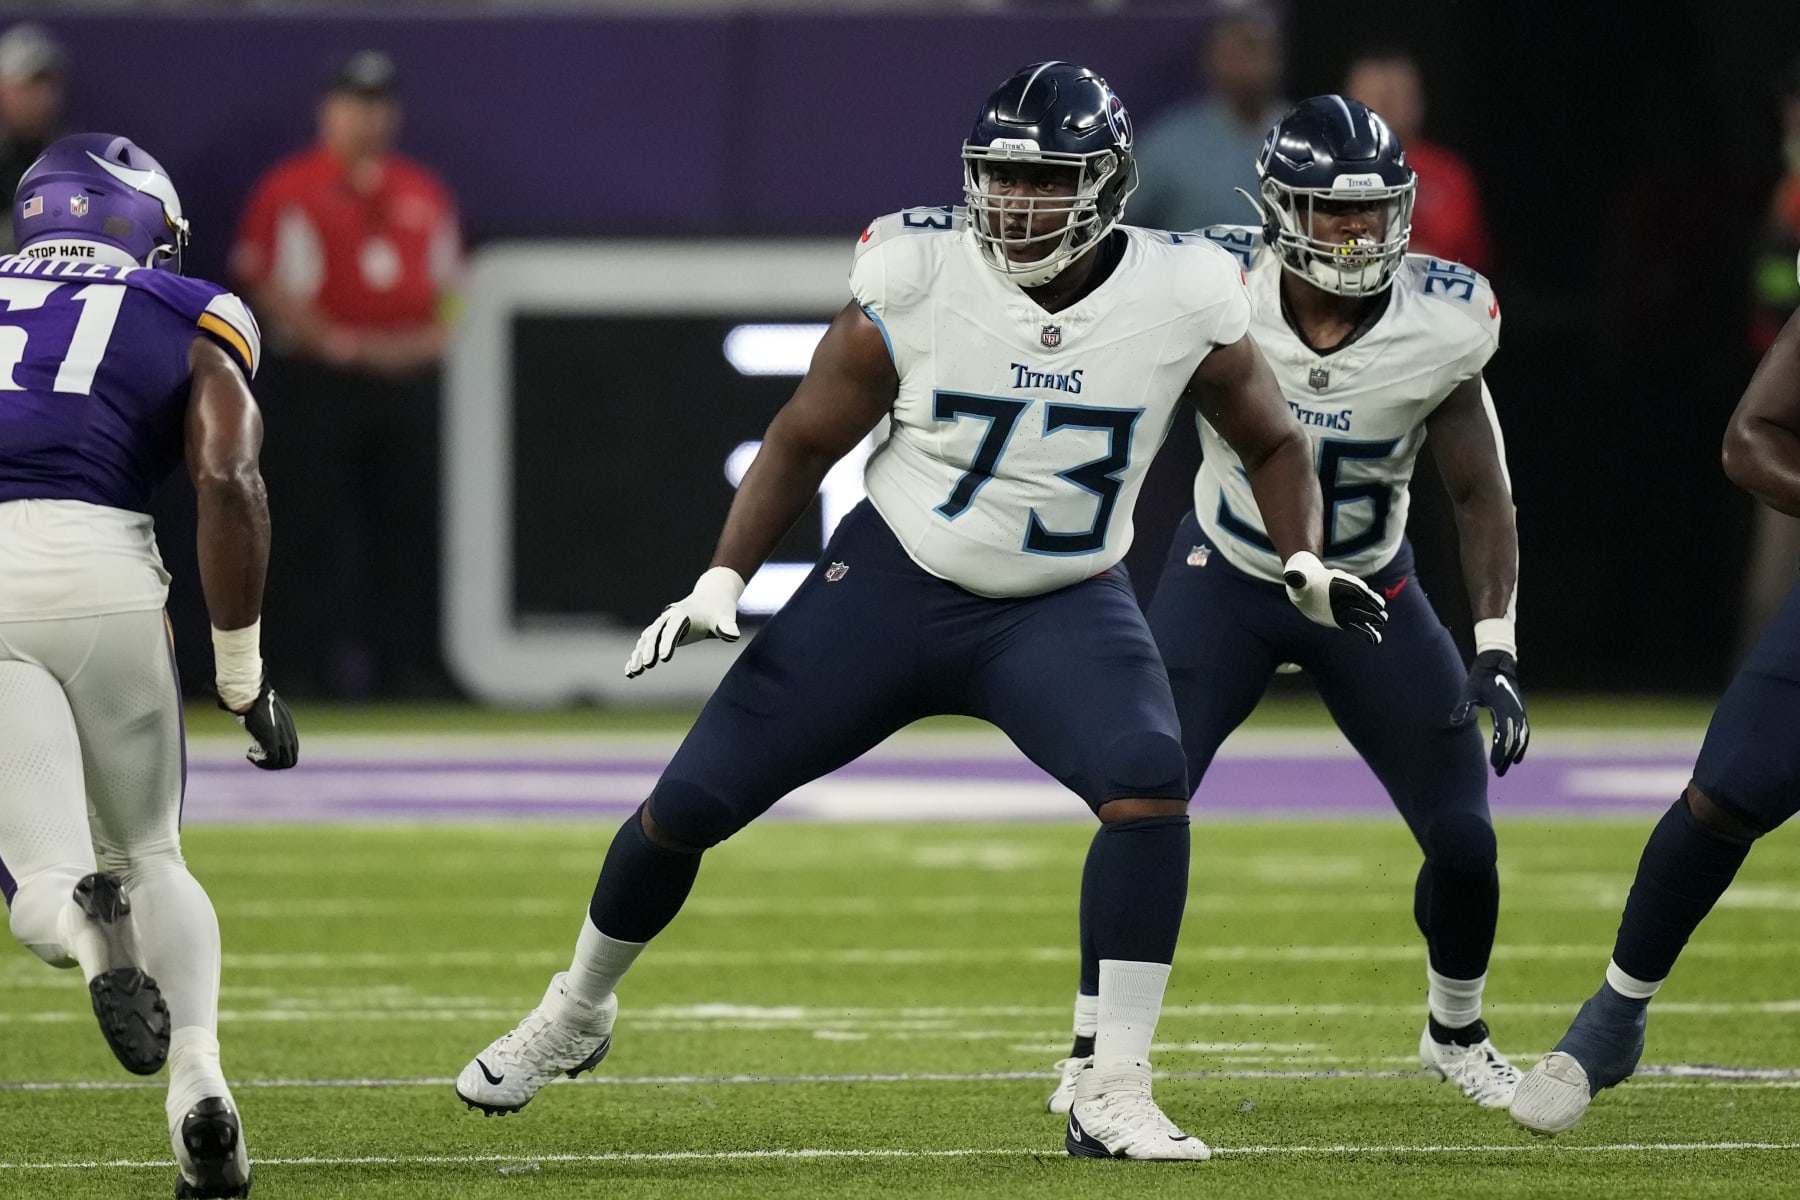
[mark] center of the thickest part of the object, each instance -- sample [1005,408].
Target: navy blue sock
[642,885]
[1133,890]
[1457,912]
[1684,870]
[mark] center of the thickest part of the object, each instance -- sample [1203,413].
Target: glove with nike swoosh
[1333,598]
[1493,684]
[710,610]
[275,746]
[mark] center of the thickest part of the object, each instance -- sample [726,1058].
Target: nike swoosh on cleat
[492,1078]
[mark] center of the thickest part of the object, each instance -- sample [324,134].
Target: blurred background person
[349,252]
[1195,154]
[1447,219]
[1775,288]
[34,86]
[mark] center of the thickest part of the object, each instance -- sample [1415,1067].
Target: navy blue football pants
[1750,761]
[1223,632]
[1072,677]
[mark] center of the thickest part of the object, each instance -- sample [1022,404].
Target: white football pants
[91,764]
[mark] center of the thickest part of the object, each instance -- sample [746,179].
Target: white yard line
[1668,1076]
[405,1160]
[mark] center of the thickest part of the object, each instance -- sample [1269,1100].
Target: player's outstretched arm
[224,438]
[1762,442]
[848,388]
[1236,392]
[1465,441]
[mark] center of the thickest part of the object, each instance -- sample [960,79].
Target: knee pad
[1146,764]
[37,906]
[692,815]
[1462,842]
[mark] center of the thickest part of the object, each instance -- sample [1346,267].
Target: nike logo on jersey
[1390,593]
[492,1078]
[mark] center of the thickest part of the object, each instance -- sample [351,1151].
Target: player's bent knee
[1132,808]
[688,819]
[1462,842]
[1146,767]
[1717,819]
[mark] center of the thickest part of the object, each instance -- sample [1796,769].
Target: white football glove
[710,610]
[1334,598]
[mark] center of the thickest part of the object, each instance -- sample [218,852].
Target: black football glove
[1493,684]
[1334,598]
[274,744]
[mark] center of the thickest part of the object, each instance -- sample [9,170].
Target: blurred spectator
[1195,154]
[34,73]
[1447,221]
[349,252]
[1775,537]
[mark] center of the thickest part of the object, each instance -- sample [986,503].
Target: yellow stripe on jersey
[221,329]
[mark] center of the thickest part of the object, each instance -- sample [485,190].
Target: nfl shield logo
[1198,555]
[78,205]
[836,571]
[1051,337]
[1318,379]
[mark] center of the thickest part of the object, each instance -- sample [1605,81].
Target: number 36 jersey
[93,400]
[1364,406]
[1020,438]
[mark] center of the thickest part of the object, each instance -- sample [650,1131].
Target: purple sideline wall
[594,127]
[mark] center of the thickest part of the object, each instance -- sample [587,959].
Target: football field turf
[851,1009]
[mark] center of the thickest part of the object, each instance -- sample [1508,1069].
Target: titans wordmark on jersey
[1020,438]
[1364,406]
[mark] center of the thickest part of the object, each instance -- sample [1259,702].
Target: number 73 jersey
[1019,438]
[1363,405]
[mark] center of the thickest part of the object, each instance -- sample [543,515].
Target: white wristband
[238,665]
[1495,633]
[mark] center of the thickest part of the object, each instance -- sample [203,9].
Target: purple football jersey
[94,375]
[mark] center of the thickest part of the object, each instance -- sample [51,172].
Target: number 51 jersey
[1364,405]
[94,388]
[1019,438]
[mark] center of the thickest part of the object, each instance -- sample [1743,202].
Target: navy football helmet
[1057,114]
[103,189]
[1332,148]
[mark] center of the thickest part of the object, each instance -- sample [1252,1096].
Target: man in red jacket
[1447,221]
[349,252]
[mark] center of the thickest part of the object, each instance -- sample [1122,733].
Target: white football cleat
[504,1077]
[1552,1097]
[1064,1095]
[1479,1071]
[1113,1116]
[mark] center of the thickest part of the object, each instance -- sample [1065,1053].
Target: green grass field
[875,993]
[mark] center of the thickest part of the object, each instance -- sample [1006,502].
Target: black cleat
[210,1152]
[133,1018]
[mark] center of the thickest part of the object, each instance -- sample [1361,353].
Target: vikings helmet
[1058,114]
[1332,148]
[102,189]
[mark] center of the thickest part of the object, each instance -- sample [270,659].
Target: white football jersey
[1020,438]
[1364,406]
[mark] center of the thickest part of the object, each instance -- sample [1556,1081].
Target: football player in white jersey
[1375,350]
[1027,357]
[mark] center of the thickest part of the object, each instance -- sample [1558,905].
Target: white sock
[599,963]
[1087,1015]
[1629,986]
[1454,1002]
[1131,996]
[194,1071]
[178,932]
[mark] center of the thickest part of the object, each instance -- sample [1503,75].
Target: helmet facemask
[1353,268]
[1104,180]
